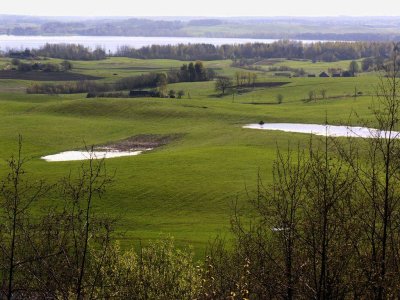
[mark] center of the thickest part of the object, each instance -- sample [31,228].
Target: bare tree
[17,195]
[323,93]
[222,84]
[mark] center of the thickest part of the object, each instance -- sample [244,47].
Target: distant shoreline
[111,43]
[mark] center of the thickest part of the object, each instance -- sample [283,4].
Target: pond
[326,130]
[84,155]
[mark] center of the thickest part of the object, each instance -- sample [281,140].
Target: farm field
[185,188]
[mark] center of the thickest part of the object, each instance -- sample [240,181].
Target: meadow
[185,189]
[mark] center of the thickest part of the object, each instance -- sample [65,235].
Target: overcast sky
[201,7]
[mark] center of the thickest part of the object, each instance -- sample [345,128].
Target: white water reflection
[83,155]
[329,130]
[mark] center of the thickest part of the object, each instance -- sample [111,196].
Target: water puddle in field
[84,155]
[326,130]
[130,146]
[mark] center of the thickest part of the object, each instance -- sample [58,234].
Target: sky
[223,8]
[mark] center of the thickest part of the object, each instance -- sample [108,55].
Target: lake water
[111,43]
[84,155]
[329,130]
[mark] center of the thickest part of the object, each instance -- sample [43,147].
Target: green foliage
[367,64]
[180,94]
[15,61]
[158,271]
[279,98]
[172,93]
[222,84]
[84,86]
[70,52]
[354,68]
[326,51]
[150,80]
[66,65]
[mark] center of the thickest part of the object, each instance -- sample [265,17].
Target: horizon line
[200,16]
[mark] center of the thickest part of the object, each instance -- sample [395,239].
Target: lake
[111,43]
[326,130]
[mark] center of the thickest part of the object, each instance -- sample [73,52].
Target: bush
[279,98]
[158,271]
[69,88]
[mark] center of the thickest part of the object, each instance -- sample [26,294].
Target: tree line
[39,66]
[194,71]
[321,51]
[62,51]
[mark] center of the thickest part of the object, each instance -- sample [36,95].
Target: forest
[327,51]
[318,51]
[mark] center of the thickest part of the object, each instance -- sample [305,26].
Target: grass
[187,187]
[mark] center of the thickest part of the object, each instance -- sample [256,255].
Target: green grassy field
[187,187]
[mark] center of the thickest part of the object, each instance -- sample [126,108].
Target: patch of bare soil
[140,142]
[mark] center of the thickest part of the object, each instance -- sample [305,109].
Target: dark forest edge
[318,51]
[158,82]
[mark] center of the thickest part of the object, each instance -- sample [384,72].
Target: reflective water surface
[83,155]
[329,130]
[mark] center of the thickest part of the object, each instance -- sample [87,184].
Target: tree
[222,84]
[279,98]
[184,73]
[192,72]
[15,61]
[354,68]
[17,196]
[180,94]
[200,71]
[311,96]
[253,79]
[66,65]
[367,64]
[323,93]
[162,84]
[172,93]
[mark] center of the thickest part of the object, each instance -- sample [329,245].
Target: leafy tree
[15,61]
[367,64]
[66,65]
[172,93]
[200,71]
[162,84]
[192,72]
[279,98]
[24,67]
[184,73]
[181,93]
[354,68]
[70,52]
